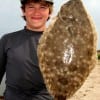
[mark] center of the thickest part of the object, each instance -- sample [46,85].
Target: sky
[10,15]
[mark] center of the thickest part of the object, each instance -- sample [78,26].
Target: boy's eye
[31,7]
[43,7]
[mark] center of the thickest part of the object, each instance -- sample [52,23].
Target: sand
[90,90]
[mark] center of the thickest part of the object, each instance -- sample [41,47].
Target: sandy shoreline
[91,88]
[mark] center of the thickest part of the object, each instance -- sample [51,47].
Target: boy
[18,54]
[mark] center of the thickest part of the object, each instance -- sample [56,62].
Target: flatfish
[67,50]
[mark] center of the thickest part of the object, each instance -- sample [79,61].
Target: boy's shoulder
[12,37]
[13,34]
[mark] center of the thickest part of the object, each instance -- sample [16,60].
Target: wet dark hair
[24,2]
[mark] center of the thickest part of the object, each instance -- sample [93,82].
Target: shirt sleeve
[2,58]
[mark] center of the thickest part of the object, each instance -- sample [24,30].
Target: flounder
[67,50]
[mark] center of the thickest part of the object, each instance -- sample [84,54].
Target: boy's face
[36,15]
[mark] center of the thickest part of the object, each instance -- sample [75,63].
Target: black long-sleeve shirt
[18,58]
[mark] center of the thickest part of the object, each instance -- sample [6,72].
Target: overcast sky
[10,15]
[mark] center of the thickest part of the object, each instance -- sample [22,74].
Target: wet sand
[90,90]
